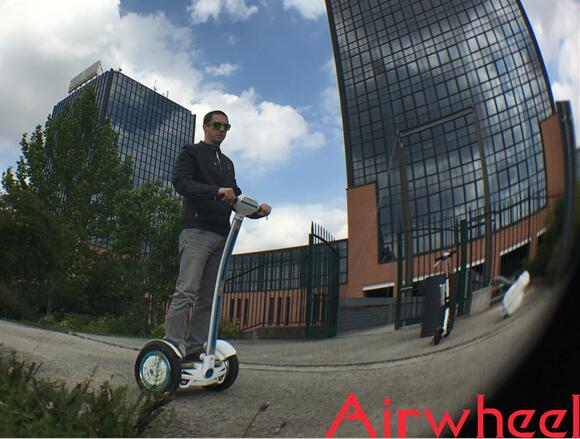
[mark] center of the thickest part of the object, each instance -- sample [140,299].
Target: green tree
[105,285]
[35,253]
[147,227]
[73,168]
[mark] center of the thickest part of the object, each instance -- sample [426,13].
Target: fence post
[399,279]
[463,272]
[309,268]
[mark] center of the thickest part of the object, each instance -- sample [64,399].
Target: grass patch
[31,406]
[126,325]
[123,325]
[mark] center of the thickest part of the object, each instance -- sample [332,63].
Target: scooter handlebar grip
[221,197]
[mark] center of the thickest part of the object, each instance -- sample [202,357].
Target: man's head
[215,127]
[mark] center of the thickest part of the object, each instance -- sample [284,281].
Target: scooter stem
[220,281]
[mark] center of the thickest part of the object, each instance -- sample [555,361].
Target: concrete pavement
[307,382]
[378,346]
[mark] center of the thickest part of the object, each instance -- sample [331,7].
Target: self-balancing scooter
[515,295]
[444,328]
[160,366]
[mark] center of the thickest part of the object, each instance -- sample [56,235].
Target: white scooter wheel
[157,369]
[232,369]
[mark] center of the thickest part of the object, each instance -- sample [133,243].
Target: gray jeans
[199,257]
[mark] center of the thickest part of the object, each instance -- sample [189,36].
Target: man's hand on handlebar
[264,210]
[226,194]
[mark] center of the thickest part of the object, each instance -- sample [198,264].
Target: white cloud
[8,154]
[44,44]
[309,9]
[325,111]
[40,51]
[289,225]
[202,10]
[330,113]
[232,40]
[225,69]
[237,10]
[556,25]
[263,134]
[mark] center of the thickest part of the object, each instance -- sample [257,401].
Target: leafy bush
[543,264]
[229,329]
[12,304]
[37,407]
[49,321]
[158,331]
[74,322]
[129,324]
[105,325]
[548,265]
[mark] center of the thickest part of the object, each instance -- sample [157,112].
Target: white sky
[43,44]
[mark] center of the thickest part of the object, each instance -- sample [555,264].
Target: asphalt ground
[305,383]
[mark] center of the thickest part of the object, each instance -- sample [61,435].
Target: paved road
[307,382]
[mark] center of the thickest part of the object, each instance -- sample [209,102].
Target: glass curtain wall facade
[445,96]
[152,128]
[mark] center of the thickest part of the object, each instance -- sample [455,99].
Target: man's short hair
[208,116]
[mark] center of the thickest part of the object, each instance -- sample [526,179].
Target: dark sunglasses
[219,125]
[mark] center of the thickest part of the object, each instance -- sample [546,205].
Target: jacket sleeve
[236,189]
[184,178]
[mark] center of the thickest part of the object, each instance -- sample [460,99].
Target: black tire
[157,369]
[437,335]
[233,367]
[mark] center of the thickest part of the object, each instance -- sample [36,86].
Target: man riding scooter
[190,354]
[205,177]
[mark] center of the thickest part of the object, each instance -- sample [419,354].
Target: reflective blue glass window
[440,59]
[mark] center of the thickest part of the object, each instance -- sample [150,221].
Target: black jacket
[199,172]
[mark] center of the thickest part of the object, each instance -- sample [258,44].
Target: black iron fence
[322,284]
[266,289]
[288,288]
[516,227]
[296,287]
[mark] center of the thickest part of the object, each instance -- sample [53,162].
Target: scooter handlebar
[245,205]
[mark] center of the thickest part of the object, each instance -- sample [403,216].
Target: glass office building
[152,129]
[445,97]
